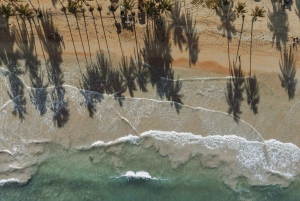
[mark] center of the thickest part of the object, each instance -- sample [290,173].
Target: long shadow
[78,27]
[118,27]
[58,105]
[178,24]
[227,16]
[128,71]
[192,37]
[99,8]
[159,61]
[158,57]
[288,72]
[278,24]
[95,26]
[297,9]
[235,88]
[38,93]
[86,32]
[252,90]
[9,57]
[94,82]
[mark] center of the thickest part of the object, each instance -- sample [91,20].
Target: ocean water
[52,149]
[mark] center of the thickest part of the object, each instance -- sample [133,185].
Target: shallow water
[142,174]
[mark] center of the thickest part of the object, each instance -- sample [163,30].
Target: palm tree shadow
[116,86]
[278,24]
[288,72]
[16,93]
[159,61]
[58,104]
[192,39]
[38,92]
[128,71]
[252,90]
[178,24]
[175,95]
[158,58]
[9,57]
[94,82]
[227,17]
[235,88]
[297,9]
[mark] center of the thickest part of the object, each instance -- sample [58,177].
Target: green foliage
[113,7]
[149,7]
[128,4]
[240,8]
[74,7]
[25,10]
[7,10]
[165,5]
[258,12]
[213,4]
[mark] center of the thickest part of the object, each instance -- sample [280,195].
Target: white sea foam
[259,160]
[138,175]
[10,180]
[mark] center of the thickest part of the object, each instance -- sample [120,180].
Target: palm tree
[256,12]
[86,32]
[26,12]
[128,4]
[7,11]
[65,12]
[91,9]
[99,8]
[113,7]
[149,8]
[240,9]
[75,8]
[165,5]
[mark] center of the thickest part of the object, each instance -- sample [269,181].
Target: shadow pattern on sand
[10,59]
[252,90]
[184,32]
[288,72]
[58,104]
[278,24]
[235,89]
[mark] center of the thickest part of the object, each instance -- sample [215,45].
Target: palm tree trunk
[87,36]
[237,53]
[105,38]
[71,36]
[81,38]
[119,36]
[251,45]
[229,66]
[137,51]
[73,41]
[96,31]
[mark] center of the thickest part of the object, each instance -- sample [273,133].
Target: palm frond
[258,12]
[240,8]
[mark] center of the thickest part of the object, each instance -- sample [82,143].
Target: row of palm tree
[240,10]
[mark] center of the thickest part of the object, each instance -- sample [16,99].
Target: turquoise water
[93,175]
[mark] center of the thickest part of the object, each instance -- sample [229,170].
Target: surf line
[195,108]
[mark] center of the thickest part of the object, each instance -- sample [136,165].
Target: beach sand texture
[172,124]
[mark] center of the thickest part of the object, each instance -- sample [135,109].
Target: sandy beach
[53,98]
